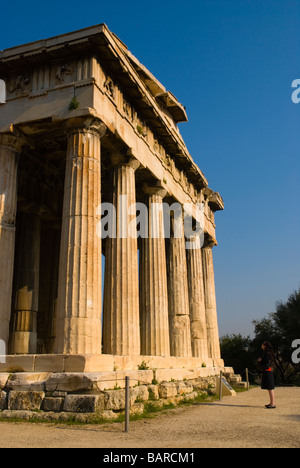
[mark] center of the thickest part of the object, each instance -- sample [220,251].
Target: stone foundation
[86,396]
[100,363]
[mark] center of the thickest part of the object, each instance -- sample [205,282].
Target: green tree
[235,352]
[281,328]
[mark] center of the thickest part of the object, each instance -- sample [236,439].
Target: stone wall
[82,396]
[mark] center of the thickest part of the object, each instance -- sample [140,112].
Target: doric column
[210,304]
[155,338]
[179,318]
[197,300]
[26,300]
[121,321]
[10,146]
[78,321]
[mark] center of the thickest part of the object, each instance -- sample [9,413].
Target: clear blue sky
[231,63]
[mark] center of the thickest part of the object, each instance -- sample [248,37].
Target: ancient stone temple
[84,125]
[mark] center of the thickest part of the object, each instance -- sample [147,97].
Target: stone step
[235,379]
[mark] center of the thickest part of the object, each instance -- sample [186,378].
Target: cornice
[101,41]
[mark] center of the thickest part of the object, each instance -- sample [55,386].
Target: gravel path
[240,422]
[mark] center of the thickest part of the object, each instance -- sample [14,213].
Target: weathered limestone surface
[3,400]
[53,404]
[79,398]
[103,363]
[83,403]
[197,303]
[3,379]
[29,401]
[114,400]
[179,316]
[140,393]
[78,323]
[27,381]
[121,320]
[213,341]
[94,382]
[10,146]
[70,382]
[167,390]
[184,387]
[84,123]
[155,335]
[153,392]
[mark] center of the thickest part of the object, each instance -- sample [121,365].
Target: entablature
[92,71]
[48,64]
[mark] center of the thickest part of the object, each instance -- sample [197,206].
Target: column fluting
[79,304]
[155,337]
[210,304]
[179,317]
[121,321]
[197,300]
[10,147]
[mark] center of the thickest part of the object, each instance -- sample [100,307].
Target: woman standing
[268,382]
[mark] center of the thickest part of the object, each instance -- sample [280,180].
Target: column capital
[87,124]
[12,142]
[124,159]
[209,243]
[155,189]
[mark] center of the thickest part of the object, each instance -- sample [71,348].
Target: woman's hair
[269,348]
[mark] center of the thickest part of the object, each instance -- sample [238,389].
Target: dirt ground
[240,422]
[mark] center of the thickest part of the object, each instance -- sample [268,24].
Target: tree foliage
[281,328]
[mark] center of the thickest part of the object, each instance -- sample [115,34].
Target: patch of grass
[143,366]
[151,410]
[241,389]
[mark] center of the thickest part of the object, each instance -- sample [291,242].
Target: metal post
[127,403]
[221,382]
[247,378]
